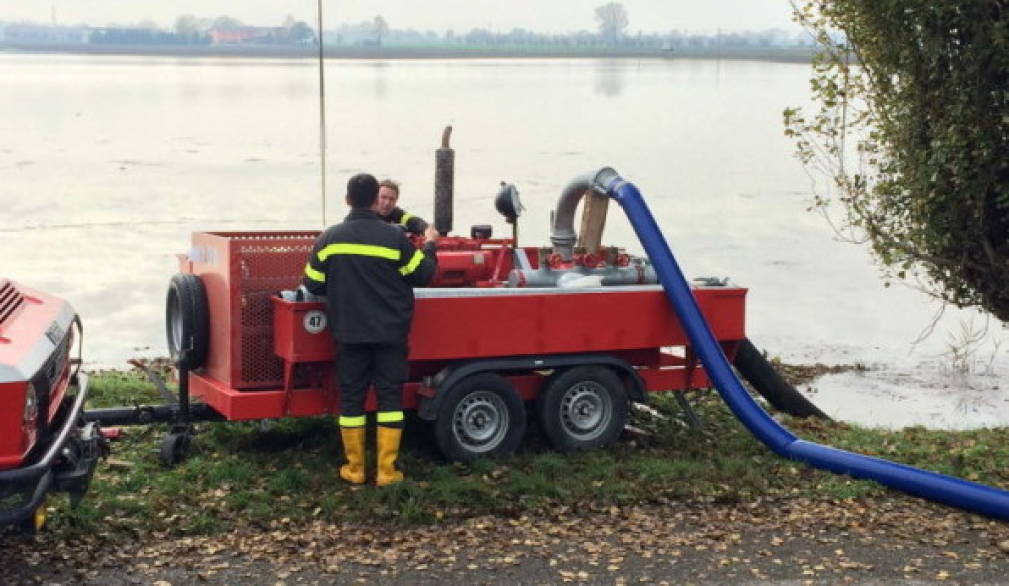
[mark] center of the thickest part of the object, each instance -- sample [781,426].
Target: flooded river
[108,164]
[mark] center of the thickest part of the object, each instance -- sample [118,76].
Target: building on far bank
[36,34]
[248,34]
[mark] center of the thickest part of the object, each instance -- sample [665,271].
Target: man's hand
[430,235]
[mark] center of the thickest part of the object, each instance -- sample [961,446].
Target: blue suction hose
[949,490]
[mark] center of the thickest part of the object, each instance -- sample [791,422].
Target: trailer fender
[427,409]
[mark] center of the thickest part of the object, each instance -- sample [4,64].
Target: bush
[913,129]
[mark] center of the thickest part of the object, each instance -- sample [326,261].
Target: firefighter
[388,196]
[367,269]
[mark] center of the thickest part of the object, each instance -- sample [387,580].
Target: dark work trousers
[383,365]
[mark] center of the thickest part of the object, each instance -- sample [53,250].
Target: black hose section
[757,371]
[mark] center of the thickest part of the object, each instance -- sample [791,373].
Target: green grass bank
[256,474]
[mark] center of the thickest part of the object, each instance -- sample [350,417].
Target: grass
[244,474]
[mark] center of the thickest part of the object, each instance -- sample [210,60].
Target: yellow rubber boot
[353,449]
[388,439]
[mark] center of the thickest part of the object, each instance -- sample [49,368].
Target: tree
[301,33]
[227,23]
[612,19]
[187,29]
[912,127]
[381,28]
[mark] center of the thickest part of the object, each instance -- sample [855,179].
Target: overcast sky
[437,15]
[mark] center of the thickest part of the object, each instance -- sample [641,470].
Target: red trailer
[569,335]
[486,341]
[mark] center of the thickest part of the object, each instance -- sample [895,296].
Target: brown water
[108,164]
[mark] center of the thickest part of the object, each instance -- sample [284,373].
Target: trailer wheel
[174,449]
[582,408]
[186,321]
[481,416]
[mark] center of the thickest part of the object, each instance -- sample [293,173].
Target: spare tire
[187,321]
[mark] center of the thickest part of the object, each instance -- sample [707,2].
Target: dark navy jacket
[410,222]
[367,269]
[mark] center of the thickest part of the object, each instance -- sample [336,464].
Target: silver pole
[322,114]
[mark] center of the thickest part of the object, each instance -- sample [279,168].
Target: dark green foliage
[920,88]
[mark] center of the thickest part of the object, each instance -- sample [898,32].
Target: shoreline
[784,55]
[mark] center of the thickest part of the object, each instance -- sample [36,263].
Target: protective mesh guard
[264,269]
[256,266]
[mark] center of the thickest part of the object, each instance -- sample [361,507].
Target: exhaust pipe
[444,181]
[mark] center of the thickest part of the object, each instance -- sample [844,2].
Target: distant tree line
[139,36]
[190,30]
[364,33]
[612,21]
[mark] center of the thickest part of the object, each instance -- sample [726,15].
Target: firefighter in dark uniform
[388,195]
[367,269]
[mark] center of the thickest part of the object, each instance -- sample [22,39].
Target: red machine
[482,346]
[45,445]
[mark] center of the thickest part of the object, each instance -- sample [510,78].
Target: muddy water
[108,164]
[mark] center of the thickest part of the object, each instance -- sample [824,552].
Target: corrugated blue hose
[949,490]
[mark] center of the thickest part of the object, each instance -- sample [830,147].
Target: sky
[547,16]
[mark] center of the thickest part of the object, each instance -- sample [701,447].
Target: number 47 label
[315,321]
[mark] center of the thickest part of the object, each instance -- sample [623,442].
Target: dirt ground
[898,540]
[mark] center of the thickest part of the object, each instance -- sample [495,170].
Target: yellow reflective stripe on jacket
[389,417]
[359,250]
[406,218]
[314,274]
[358,421]
[411,266]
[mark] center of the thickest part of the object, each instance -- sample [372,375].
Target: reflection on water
[380,82]
[610,77]
[108,164]
[897,397]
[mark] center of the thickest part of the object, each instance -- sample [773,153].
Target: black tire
[582,408]
[481,416]
[187,321]
[174,449]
